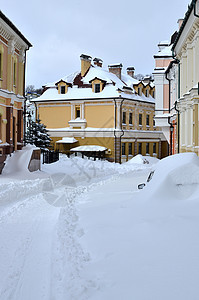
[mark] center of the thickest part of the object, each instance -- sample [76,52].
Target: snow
[113,83]
[80,229]
[167,51]
[66,140]
[19,161]
[89,148]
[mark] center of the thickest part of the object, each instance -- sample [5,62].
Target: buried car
[176,175]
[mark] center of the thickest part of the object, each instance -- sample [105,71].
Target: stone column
[21,72]
[183,68]
[11,49]
[83,111]
[189,67]
[118,114]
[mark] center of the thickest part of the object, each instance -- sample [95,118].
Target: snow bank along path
[41,256]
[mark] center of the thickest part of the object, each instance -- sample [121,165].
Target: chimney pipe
[98,61]
[116,69]
[131,71]
[85,64]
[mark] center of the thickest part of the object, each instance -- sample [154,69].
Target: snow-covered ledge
[77,123]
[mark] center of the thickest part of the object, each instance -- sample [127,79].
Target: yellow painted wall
[100,116]
[55,117]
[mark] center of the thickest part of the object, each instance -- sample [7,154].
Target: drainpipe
[178,125]
[121,128]
[171,135]
[169,80]
[25,99]
[194,12]
[178,129]
[115,128]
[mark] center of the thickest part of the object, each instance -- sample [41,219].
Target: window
[124,117]
[130,118]
[147,120]
[154,147]
[153,94]
[130,148]
[140,119]
[147,93]
[77,112]
[63,89]
[147,148]
[139,148]
[97,88]
[123,148]
[140,91]
[15,73]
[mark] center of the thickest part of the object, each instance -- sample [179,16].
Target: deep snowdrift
[82,230]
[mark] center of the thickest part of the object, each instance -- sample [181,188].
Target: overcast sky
[125,31]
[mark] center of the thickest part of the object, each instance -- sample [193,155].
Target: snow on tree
[38,135]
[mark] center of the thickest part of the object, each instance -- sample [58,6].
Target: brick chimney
[85,63]
[116,69]
[131,71]
[98,62]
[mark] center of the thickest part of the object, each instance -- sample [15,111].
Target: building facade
[103,108]
[186,51]
[13,47]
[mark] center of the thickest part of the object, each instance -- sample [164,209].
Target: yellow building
[13,47]
[102,108]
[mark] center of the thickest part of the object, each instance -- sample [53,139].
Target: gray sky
[124,32]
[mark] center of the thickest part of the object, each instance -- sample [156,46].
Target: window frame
[123,117]
[154,148]
[147,148]
[139,91]
[140,119]
[147,120]
[61,89]
[77,109]
[131,118]
[123,149]
[139,148]
[130,149]
[97,87]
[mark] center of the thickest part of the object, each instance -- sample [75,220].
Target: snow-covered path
[41,253]
[26,241]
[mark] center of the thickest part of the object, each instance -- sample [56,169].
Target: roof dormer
[97,84]
[62,86]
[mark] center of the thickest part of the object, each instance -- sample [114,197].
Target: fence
[50,157]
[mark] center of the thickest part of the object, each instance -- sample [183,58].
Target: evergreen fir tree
[38,135]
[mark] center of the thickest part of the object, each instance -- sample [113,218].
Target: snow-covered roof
[67,140]
[69,79]
[114,87]
[89,148]
[103,75]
